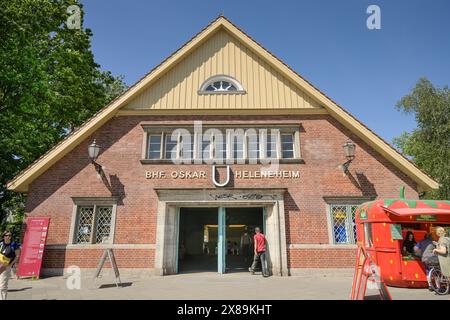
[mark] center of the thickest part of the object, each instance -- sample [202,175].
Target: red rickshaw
[382,226]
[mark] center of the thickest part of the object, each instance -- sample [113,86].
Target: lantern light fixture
[349,151]
[93,152]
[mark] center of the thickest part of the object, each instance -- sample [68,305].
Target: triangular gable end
[315,97]
[222,54]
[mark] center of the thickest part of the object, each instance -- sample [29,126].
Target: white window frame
[198,145]
[293,145]
[161,146]
[92,202]
[221,77]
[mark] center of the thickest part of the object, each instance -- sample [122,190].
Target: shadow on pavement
[373,297]
[113,285]
[21,289]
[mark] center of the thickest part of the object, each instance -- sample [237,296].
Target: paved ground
[203,286]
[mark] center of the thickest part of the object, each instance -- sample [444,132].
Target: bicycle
[437,281]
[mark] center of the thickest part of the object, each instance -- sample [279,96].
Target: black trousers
[261,257]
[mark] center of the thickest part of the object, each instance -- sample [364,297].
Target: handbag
[5,260]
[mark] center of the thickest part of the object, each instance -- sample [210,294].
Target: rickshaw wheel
[438,281]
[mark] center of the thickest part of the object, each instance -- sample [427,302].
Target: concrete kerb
[321,272]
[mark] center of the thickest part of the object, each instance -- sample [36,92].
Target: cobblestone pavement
[203,286]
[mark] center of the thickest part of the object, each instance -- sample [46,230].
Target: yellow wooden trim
[144,112]
[20,182]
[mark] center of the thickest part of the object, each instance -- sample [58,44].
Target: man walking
[246,246]
[260,252]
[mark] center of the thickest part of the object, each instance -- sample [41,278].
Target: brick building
[219,138]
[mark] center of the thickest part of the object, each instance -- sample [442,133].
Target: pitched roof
[21,182]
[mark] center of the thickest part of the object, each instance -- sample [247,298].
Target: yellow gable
[222,54]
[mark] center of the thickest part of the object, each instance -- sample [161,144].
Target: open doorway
[197,249]
[200,240]
[240,229]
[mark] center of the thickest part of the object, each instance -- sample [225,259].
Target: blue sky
[327,42]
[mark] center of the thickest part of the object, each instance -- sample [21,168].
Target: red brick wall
[121,138]
[125,258]
[321,258]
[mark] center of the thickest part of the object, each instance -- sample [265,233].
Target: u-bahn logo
[213,176]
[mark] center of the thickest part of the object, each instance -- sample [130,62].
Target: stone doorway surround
[171,199]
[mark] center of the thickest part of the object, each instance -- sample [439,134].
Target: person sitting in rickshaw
[408,244]
[422,245]
[443,251]
[424,249]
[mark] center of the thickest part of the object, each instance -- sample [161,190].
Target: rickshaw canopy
[416,211]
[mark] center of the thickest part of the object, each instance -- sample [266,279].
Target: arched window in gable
[221,84]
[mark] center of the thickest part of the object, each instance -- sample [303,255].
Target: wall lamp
[94,150]
[349,150]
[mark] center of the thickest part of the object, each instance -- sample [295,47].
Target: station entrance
[217,239]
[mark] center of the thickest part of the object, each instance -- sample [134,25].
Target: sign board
[32,253]
[426,217]
[362,214]
[396,232]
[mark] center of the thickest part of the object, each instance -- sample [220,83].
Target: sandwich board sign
[108,253]
[32,253]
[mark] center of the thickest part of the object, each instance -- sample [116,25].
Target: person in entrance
[260,252]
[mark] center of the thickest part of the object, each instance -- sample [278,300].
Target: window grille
[221,84]
[343,222]
[85,221]
[103,224]
[94,224]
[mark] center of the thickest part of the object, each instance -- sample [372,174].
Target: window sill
[221,92]
[247,161]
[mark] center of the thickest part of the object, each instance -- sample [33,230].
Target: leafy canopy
[429,144]
[49,84]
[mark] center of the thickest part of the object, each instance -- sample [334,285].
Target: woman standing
[443,251]
[9,255]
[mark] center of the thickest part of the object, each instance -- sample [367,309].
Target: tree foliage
[429,144]
[49,84]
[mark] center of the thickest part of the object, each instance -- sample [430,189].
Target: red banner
[33,247]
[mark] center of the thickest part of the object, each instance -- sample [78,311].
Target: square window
[206,148]
[154,146]
[253,146]
[287,146]
[271,146]
[187,147]
[171,147]
[221,149]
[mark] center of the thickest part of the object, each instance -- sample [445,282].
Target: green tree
[429,144]
[49,85]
